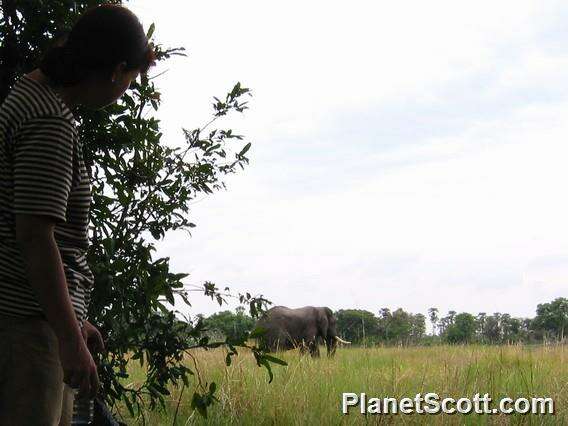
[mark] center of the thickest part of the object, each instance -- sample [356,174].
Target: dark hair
[102,37]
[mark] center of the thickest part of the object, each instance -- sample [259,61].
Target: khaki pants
[32,391]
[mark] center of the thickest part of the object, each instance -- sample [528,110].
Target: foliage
[402,328]
[229,325]
[434,318]
[142,189]
[552,318]
[356,325]
[462,329]
[363,327]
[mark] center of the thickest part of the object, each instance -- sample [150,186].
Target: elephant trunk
[340,340]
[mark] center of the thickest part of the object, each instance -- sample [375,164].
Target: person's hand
[92,337]
[79,369]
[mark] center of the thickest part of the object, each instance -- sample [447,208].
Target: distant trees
[227,324]
[493,329]
[399,327]
[403,328]
[512,331]
[552,319]
[433,315]
[480,323]
[357,326]
[461,329]
[550,324]
[418,328]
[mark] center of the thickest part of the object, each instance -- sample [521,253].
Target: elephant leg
[331,345]
[314,349]
[311,339]
[302,347]
[313,346]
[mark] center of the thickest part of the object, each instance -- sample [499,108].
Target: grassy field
[308,391]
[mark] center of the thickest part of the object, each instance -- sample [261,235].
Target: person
[45,197]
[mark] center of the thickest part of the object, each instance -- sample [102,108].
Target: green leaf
[257,332]
[245,149]
[150,31]
[129,405]
[170,298]
[275,360]
[269,369]
[198,403]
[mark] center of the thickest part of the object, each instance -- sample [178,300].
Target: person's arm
[45,273]
[43,175]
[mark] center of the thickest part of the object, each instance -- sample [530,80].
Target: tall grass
[308,391]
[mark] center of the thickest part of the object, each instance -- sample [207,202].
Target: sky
[404,154]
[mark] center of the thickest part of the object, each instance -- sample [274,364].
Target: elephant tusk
[340,340]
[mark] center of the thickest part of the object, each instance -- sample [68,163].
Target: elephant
[285,328]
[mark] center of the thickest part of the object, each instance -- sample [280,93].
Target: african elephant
[286,328]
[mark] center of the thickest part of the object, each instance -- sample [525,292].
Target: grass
[308,391]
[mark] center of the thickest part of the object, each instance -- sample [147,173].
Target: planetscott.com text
[432,403]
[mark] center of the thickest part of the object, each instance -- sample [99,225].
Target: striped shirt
[42,172]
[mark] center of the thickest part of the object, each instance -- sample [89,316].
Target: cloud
[404,154]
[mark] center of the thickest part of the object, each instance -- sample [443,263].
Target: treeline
[228,324]
[399,327]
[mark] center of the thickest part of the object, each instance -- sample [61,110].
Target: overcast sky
[405,154]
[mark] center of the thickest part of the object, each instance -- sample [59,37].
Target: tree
[356,325]
[480,321]
[552,318]
[493,332]
[433,315]
[233,326]
[400,327]
[462,329]
[385,317]
[512,329]
[418,328]
[445,322]
[142,191]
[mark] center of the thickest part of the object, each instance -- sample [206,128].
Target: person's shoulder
[47,130]
[33,99]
